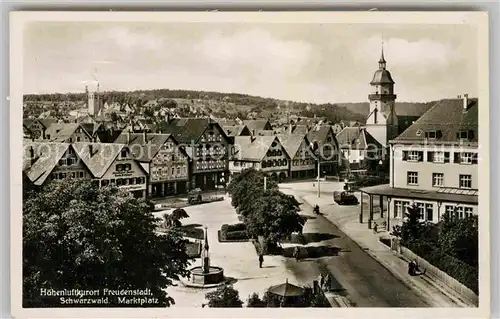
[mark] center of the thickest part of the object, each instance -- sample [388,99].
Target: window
[465,181]
[450,210]
[430,134]
[237,164]
[81,174]
[400,208]
[113,181]
[119,182]
[62,162]
[412,178]
[438,157]
[105,182]
[465,135]
[173,158]
[178,170]
[173,171]
[413,156]
[123,153]
[437,179]
[467,158]
[119,167]
[125,181]
[78,138]
[131,181]
[468,212]
[429,212]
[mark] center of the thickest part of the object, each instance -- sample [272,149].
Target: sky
[314,63]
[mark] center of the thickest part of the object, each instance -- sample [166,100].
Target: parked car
[195,196]
[345,198]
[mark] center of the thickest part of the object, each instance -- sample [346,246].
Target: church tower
[382,121]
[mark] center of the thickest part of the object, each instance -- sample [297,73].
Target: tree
[247,185]
[224,297]
[412,229]
[459,238]
[274,217]
[76,235]
[255,302]
[174,219]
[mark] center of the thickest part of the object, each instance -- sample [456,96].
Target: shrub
[236,235]
[236,227]
[462,272]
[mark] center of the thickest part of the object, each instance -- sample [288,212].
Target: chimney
[145,136]
[253,132]
[466,102]
[91,150]
[289,128]
[128,136]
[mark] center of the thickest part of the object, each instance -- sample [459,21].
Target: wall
[425,169]
[135,172]
[303,160]
[436,274]
[214,158]
[169,157]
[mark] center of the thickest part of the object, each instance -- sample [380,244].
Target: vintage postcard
[178,164]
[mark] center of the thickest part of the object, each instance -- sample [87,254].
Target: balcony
[383,97]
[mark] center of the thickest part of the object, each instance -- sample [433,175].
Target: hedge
[461,271]
[235,232]
[236,235]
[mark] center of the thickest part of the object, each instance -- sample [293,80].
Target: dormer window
[123,153]
[465,135]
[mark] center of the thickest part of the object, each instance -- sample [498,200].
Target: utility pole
[319,176]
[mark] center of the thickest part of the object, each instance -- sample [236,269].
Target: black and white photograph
[192,161]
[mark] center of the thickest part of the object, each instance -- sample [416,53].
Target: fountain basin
[199,279]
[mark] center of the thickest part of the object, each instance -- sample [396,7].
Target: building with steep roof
[113,164]
[258,125]
[360,150]
[264,153]
[207,145]
[434,163]
[326,148]
[67,133]
[45,162]
[303,161]
[161,157]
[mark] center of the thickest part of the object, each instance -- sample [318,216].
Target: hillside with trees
[202,103]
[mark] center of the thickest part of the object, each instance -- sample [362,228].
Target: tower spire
[382,62]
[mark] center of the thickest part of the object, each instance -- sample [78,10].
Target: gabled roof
[356,138]
[257,125]
[46,157]
[448,117]
[187,130]
[60,132]
[103,155]
[253,148]
[319,134]
[292,142]
[90,128]
[144,146]
[234,130]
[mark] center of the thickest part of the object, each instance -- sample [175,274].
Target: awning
[442,194]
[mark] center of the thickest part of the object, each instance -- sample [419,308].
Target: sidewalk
[346,218]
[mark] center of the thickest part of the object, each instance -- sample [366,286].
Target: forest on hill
[229,105]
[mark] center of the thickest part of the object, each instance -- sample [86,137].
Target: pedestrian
[261,260]
[375,228]
[328,282]
[322,281]
[296,253]
[411,268]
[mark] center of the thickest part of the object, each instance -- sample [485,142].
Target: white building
[434,163]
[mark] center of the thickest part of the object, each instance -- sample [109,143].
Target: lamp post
[319,175]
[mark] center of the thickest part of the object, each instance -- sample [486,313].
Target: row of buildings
[182,155]
[432,158]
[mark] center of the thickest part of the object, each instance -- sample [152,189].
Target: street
[363,280]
